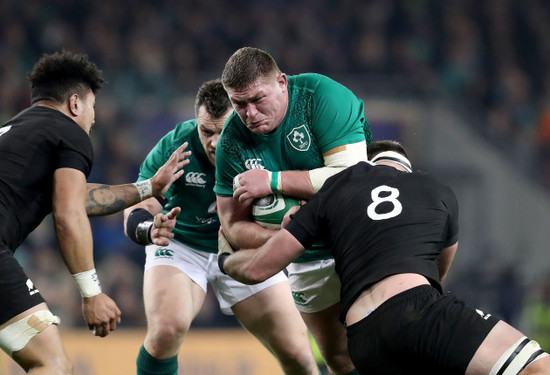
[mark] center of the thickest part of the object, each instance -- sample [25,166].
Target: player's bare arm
[257,183]
[108,199]
[74,235]
[252,266]
[445,259]
[72,225]
[238,228]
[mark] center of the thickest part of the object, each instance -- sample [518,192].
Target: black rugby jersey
[33,145]
[381,222]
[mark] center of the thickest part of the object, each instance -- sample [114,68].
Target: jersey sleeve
[338,115]
[67,158]
[227,162]
[74,148]
[307,225]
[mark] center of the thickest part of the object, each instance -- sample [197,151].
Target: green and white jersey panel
[197,225]
[322,114]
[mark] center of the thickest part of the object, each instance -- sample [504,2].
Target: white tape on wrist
[144,188]
[87,283]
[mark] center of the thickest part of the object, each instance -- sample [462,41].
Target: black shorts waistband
[413,292]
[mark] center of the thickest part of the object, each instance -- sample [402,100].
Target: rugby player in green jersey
[289,134]
[183,259]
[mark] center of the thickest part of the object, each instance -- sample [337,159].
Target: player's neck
[48,104]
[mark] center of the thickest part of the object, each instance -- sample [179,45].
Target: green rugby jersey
[197,224]
[322,114]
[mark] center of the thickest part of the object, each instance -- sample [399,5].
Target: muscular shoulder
[314,83]
[46,127]
[183,132]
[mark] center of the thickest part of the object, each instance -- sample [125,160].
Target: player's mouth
[256,124]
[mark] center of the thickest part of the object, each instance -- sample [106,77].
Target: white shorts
[315,285]
[202,268]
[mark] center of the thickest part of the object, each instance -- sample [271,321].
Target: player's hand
[223,245]
[163,225]
[170,171]
[251,184]
[291,211]
[101,314]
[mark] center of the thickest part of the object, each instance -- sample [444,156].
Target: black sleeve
[304,225]
[74,147]
[73,159]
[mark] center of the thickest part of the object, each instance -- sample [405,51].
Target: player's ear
[74,105]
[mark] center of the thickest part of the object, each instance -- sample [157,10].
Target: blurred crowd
[488,57]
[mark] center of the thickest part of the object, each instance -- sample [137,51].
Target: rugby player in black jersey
[45,157]
[394,235]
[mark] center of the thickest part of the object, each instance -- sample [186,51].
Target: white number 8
[377,199]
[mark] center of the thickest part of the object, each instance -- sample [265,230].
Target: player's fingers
[112,324]
[157,221]
[177,175]
[173,213]
[237,182]
[100,330]
[165,233]
[238,192]
[181,148]
[104,332]
[183,163]
[244,196]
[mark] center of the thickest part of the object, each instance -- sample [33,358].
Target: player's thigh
[315,285]
[44,348]
[171,296]
[326,328]
[499,340]
[272,317]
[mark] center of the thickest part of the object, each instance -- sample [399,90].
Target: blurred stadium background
[464,84]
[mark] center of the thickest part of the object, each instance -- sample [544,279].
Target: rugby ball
[270,210]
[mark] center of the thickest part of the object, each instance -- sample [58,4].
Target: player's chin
[212,158]
[260,129]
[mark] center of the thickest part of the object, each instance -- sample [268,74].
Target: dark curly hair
[57,76]
[213,96]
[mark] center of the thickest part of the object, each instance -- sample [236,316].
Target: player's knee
[301,358]
[339,364]
[60,365]
[165,335]
[518,357]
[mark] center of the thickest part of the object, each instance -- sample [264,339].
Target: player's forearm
[247,234]
[109,199]
[238,266]
[256,265]
[296,184]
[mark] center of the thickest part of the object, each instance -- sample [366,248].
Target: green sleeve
[227,163]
